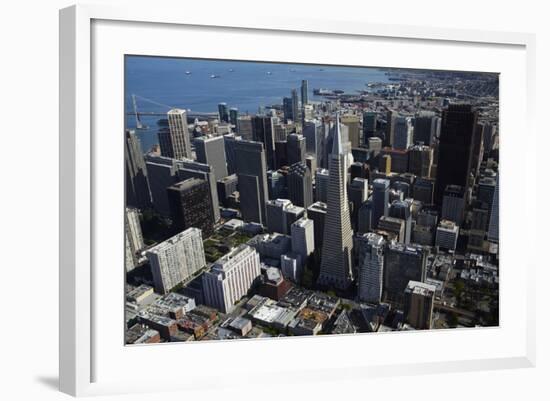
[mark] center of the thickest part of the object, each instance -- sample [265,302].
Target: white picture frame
[84,355]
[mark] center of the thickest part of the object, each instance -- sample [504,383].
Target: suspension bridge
[191,115]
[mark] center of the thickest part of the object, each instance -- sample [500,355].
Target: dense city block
[330,211]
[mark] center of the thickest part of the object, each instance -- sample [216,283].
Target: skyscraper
[318,212]
[275,215]
[137,183]
[230,277]
[418,305]
[176,259]
[454,203]
[229,141]
[371,267]
[251,171]
[402,210]
[390,126]
[263,131]
[420,160]
[455,148]
[426,128]
[380,199]
[403,263]
[187,168]
[133,237]
[300,189]
[303,240]
[493,233]
[191,205]
[369,125]
[304,92]
[296,148]
[358,193]
[336,265]
[403,130]
[175,143]
[223,112]
[210,150]
[233,115]
[352,123]
[295,106]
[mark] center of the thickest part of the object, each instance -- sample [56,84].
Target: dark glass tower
[137,184]
[191,206]
[455,148]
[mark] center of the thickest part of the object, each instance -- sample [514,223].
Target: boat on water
[268,73]
[187,72]
[231,70]
[214,76]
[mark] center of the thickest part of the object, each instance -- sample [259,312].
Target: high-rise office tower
[162,173]
[369,125]
[223,112]
[454,203]
[399,159]
[226,187]
[275,215]
[296,149]
[489,131]
[287,109]
[176,259]
[426,127]
[230,277]
[263,131]
[176,142]
[455,148]
[486,192]
[137,183]
[281,154]
[304,92]
[493,233]
[317,212]
[354,135]
[321,185]
[300,189]
[420,160]
[277,185]
[380,199]
[244,127]
[191,205]
[229,141]
[446,235]
[423,190]
[187,168]
[402,210]
[364,216]
[303,237]
[403,132]
[251,170]
[133,237]
[371,267]
[477,149]
[282,131]
[211,150]
[233,115]
[312,131]
[293,213]
[295,106]
[336,262]
[390,126]
[358,193]
[418,305]
[403,263]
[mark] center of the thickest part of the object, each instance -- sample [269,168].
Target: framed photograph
[319,199]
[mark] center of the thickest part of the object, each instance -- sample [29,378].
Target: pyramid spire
[337,139]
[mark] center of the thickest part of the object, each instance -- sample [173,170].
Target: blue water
[247,87]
